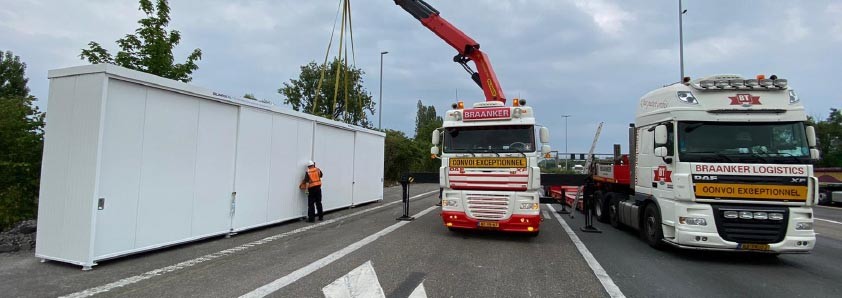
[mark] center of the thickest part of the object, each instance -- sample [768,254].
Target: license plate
[752,246]
[489,224]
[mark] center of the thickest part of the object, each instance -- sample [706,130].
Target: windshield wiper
[723,156]
[492,151]
[461,150]
[794,158]
[518,151]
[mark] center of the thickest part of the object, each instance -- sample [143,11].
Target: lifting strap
[342,68]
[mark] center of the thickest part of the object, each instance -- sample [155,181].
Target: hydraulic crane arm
[468,48]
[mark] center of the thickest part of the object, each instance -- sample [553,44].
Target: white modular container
[134,162]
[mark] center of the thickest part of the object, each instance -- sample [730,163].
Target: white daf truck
[490,175]
[718,163]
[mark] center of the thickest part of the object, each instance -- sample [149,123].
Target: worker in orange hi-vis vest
[313,181]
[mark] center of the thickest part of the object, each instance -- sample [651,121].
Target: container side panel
[214,168]
[120,167]
[304,153]
[81,178]
[368,168]
[286,170]
[252,186]
[167,174]
[54,168]
[334,155]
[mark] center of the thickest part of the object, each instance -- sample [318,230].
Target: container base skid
[516,223]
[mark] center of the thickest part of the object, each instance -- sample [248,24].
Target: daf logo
[705,177]
[799,180]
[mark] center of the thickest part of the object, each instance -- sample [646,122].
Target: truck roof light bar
[781,83]
[737,83]
[721,84]
[766,83]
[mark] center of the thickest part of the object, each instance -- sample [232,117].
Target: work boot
[311,220]
[321,218]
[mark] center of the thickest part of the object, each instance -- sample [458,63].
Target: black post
[405,181]
[563,203]
[588,210]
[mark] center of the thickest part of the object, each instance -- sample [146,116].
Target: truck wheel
[614,212]
[601,208]
[652,231]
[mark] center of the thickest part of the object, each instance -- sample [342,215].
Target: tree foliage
[149,49]
[426,121]
[352,100]
[829,135]
[404,154]
[21,144]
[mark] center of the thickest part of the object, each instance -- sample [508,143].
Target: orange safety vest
[315,180]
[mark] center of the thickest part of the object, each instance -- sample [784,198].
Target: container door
[334,154]
[214,168]
[368,168]
[287,167]
[252,176]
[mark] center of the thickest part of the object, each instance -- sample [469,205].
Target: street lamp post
[380,109]
[681,12]
[565,141]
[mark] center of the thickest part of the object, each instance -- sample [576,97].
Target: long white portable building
[134,162]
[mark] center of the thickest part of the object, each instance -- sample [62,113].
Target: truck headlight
[776,216]
[528,206]
[692,221]
[803,226]
[732,214]
[450,203]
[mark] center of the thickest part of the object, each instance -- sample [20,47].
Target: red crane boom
[467,47]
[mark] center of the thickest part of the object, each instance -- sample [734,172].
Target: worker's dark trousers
[314,203]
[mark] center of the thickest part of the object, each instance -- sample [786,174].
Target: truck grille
[761,231]
[488,206]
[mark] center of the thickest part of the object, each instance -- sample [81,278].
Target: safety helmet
[310,163]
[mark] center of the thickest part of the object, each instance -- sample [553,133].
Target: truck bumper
[708,237]
[712,241]
[515,223]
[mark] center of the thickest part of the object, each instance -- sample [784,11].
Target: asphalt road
[641,271]
[300,260]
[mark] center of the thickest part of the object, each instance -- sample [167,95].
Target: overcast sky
[590,59]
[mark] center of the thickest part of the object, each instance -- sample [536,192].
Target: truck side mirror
[811,136]
[434,150]
[661,152]
[544,135]
[545,149]
[661,135]
[815,154]
[436,137]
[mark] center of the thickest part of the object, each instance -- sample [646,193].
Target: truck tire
[601,208]
[652,231]
[614,212]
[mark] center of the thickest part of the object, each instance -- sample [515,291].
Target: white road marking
[321,263]
[546,214]
[606,281]
[827,220]
[419,292]
[360,282]
[172,268]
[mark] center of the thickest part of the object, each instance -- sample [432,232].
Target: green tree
[829,135]
[352,100]
[149,49]
[426,121]
[21,144]
[402,154]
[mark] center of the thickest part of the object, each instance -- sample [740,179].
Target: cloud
[591,59]
[607,15]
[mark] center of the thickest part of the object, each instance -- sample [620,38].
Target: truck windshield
[490,139]
[742,142]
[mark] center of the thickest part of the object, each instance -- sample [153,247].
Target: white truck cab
[490,175]
[722,163]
